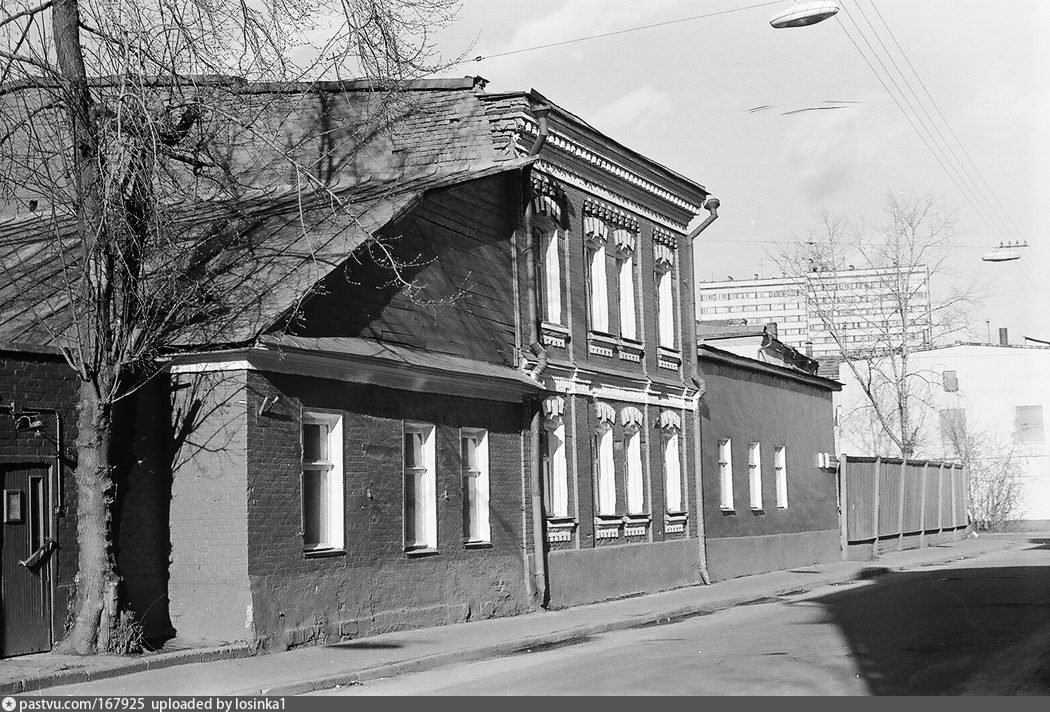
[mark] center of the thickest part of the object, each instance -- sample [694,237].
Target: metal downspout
[711,205]
[539,538]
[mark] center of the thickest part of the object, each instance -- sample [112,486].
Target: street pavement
[976,626]
[402,653]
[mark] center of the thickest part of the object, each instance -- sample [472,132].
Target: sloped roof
[439,136]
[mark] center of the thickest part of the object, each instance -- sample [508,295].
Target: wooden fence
[882,499]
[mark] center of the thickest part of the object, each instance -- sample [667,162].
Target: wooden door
[25,586]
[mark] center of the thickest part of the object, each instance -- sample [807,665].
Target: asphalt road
[979,626]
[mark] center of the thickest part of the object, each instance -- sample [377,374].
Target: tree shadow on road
[948,631]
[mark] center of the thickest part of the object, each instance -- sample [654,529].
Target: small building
[986,403]
[769,487]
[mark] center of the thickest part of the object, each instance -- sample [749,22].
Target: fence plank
[875,509]
[900,505]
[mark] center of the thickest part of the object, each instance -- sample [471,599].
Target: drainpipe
[711,205]
[539,538]
[540,112]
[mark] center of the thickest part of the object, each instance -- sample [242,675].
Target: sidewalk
[225,670]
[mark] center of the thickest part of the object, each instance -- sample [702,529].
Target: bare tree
[137,161]
[996,490]
[867,292]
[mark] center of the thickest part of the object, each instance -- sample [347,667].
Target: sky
[686,95]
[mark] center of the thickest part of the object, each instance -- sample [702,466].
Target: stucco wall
[747,405]
[209,592]
[746,555]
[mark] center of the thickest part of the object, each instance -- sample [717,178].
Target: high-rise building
[835,311]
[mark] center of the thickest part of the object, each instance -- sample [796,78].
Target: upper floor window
[665,294]
[475,458]
[420,488]
[625,243]
[1028,423]
[322,481]
[547,220]
[596,233]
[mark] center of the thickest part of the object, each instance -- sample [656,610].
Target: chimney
[809,349]
[771,329]
[1003,338]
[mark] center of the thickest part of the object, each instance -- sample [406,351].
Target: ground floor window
[420,488]
[475,457]
[322,481]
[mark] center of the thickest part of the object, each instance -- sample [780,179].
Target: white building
[1000,392]
[863,305]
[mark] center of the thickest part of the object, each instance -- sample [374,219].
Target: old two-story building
[612,310]
[467,392]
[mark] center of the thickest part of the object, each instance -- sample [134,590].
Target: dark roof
[718,355]
[440,136]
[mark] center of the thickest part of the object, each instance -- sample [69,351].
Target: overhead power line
[613,33]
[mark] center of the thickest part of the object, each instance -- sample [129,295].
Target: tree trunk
[97,582]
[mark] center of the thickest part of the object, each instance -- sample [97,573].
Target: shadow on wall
[949,632]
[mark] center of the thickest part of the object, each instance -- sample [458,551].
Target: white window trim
[635,471]
[557,482]
[598,282]
[666,308]
[551,246]
[725,473]
[426,490]
[478,515]
[628,300]
[606,479]
[673,488]
[334,538]
[780,467]
[754,474]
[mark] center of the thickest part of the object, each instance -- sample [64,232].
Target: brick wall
[374,586]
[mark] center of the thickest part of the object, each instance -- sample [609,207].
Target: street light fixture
[1005,252]
[808,13]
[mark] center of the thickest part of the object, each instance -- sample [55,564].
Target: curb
[155,661]
[575,635]
[489,651]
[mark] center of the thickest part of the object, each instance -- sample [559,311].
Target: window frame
[754,475]
[556,469]
[781,475]
[725,475]
[605,470]
[477,526]
[627,287]
[333,539]
[423,482]
[597,299]
[550,251]
[674,436]
[634,470]
[666,318]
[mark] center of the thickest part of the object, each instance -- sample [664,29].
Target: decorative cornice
[600,191]
[616,218]
[525,125]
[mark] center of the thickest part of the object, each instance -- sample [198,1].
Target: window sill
[727,510]
[323,553]
[758,510]
[477,544]
[553,326]
[420,552]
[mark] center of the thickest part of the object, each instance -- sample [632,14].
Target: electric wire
[944,119]
[482,58]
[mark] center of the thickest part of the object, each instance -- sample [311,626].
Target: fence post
[922,506]
[900,506]
[940,498]
[843,470]
[955,499]
[875,510]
